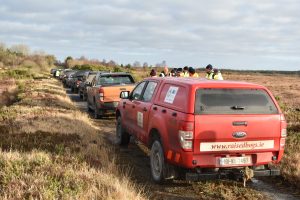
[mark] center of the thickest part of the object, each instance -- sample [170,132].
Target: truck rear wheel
[122,137]
[157,162]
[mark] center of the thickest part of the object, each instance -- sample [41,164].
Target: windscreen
[234,101]
[115,80]
[90,77]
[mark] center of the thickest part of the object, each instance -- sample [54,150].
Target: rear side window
[234,101]
[115,80]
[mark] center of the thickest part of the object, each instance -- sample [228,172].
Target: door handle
[145,109]
[124,103]
[154,108]
[163,111]
[133,106]
[174,114]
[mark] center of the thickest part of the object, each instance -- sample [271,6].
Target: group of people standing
[211,73]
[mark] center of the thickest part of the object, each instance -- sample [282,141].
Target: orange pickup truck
[208,129]
[103,94]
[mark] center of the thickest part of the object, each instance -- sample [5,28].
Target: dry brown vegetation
[50,150]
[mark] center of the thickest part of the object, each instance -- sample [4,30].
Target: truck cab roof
[206,83]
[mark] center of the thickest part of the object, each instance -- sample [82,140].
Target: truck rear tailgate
[112,93]
[236,133]
[236,127]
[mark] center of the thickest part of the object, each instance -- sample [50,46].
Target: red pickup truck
[208,129]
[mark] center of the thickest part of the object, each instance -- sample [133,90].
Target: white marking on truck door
[140,119]
[171,94]
[236,146]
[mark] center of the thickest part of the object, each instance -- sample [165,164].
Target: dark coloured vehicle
[86,82]
[76,80]
[70,78]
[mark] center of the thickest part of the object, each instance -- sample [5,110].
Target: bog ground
[51,148]
[135,157]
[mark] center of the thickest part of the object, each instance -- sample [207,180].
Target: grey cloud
[231,33]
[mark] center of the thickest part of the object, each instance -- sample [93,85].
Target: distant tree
[20,49]
[136,64]
[145,65]
[50,59]
[112,63]
[164,63]
[122,65]
[68,61]
[128,66]
[82,58]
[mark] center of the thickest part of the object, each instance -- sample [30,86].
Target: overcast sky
[256,34]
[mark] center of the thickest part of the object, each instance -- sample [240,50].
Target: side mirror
[124,95]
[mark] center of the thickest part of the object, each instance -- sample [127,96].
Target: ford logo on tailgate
[239,134]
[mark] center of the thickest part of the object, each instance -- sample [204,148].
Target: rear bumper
[108,107]
[229,174]
[189,160]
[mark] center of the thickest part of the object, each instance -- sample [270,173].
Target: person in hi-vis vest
[192,73]
[209,71]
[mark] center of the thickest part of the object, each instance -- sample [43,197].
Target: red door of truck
[143,108]
[130,107]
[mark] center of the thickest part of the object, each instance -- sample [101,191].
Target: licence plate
[235,161]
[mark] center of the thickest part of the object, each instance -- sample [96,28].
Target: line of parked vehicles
[196,128]
[101,89]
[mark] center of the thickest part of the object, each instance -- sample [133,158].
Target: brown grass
[50,150]
[212,190]
[8,91]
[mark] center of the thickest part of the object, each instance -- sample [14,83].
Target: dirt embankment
[51,150]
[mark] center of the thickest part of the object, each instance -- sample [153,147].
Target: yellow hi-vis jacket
[209,75]
[194,75]
[218,76]
[186,74]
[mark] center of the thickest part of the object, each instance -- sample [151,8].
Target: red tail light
[186,135]
[283,133]
[101,94]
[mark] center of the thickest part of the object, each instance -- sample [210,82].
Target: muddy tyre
[122,137]
[157,162]
[88,106]
[96,113]
[84,98]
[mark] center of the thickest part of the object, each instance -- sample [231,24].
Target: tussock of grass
[8,92]
[212,190]
[290,164]
[50,150]
[41,175]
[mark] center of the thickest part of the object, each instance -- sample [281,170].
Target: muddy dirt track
[135,158]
